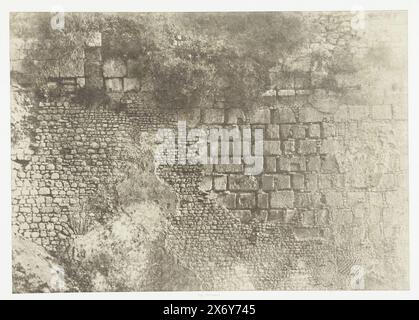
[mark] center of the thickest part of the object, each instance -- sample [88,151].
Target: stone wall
[333,192]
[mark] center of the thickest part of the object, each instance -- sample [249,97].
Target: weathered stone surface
[297,181]
[237,182]
[310,114]
[71,68]
[283,115]
[307,146]
[358,112]
[236,116]
[246,201]
[272,148]
[314,130]
[263,200]
[131,84]
[94,39]
[282,181]
[260,116]
[272,132]
[113,68]
[268,182]
[114,85]
[282,199]
[313,163]
[93,54]
[213,116]
[228,200]
[381,112]
[329,146]
[270,164]
[289,147]
[335,165]
[220,183]
[334,199]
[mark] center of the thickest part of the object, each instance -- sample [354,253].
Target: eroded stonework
[331,200]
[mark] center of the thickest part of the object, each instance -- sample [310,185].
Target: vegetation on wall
[189,59]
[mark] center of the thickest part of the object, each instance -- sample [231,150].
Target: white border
[210,5]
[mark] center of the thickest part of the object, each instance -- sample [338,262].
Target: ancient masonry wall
[335,173]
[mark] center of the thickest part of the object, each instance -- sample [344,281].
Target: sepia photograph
[208,151]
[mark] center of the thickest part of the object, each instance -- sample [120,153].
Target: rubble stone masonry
[333,192]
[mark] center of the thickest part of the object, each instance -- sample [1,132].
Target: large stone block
[94,39]
[236,116]
[281,79]
[284,164]
[289,147]
[298,132]
[131,84]
[94,82]
[113,68]
[282,181]
[307,146]
[229,168]
[114,84]
[381,112]
[310,114]
[400,111]
[329,146]
[246,201]
[276,215]
[205,184]
[245,216]
[322,217]
[272,148]
[269,97]
[355,198]
[44,191]
[302,80]
[93,69]
[240,182]
[313,163]
[282,199]
[134,68]
[285,131]
[308,218]
[71,68]
[93,54]
[311,182]
[272,131]
[341,114]
[334,199]
[358,112]
[283,115]
[228,200]
[297,181]
[270,164]
[268,182]
[314,130]
[297,164]
[213,116]
[260,116]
